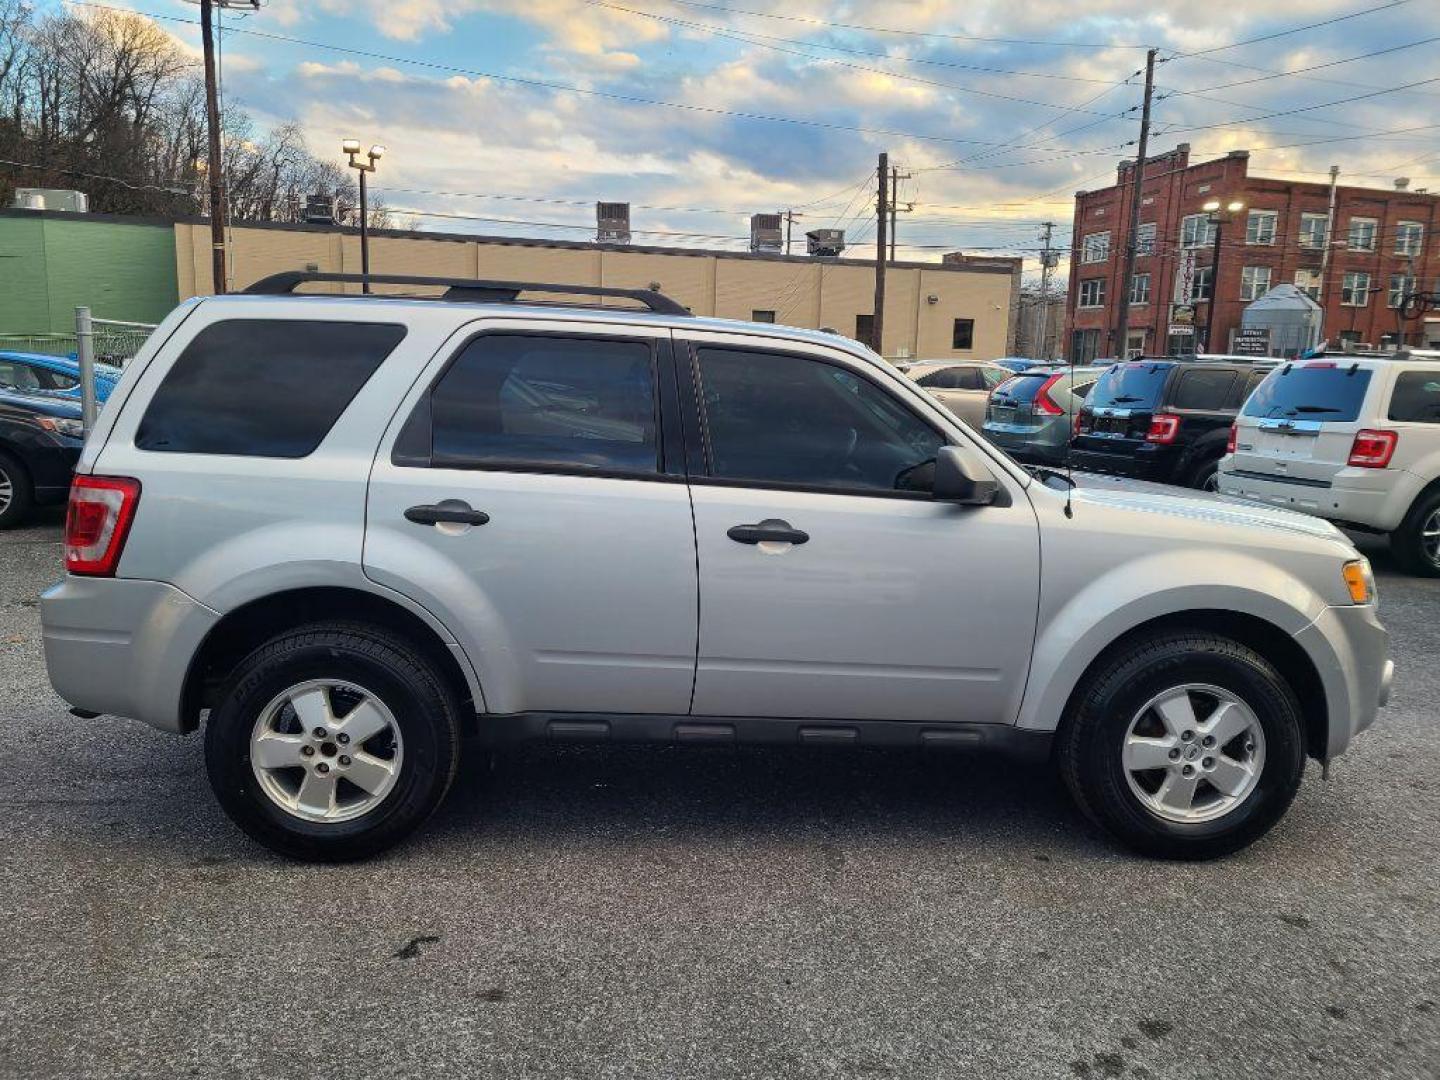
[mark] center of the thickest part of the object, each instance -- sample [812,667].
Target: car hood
[1198,506]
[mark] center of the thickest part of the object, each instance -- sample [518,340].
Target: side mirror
[963,478]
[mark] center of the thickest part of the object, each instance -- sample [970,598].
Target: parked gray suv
[343,531]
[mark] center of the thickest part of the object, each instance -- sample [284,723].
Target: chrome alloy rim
[326,751]
[1429,537]
[1193,753]
[7,490]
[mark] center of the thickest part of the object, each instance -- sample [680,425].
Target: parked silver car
[341,531]
[1031,416]
[962,386]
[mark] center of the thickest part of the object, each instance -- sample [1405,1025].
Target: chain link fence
[116,342]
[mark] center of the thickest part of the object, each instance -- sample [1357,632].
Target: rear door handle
[771,529]
[451,511]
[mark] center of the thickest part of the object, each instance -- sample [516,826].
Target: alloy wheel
[326,751]
[7,490]
[1429,537]
[1193,753]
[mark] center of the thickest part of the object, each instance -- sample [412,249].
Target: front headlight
[63,425]
[1360,580]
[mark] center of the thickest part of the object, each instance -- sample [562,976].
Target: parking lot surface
[642,912]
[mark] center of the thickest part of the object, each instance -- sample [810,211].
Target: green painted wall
[50,264]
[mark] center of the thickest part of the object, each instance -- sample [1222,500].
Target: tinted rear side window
[263,387]
[1130,386]
[1416,398]
[534,400]
[955,378]
[1310,393]
[1203,389]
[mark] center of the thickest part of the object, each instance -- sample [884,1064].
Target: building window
[962,334]
[761,315]
[1260,227]
[1084,346]
[1196,230]
[1308,282]
[1140,289]
[1312,230]
[1200,283]
[865,330]
[1145,239]
[1401,286]
[1092,292]
[1409,237]
[1355,289]
[1362,233]
[1254,282]
[1095,248]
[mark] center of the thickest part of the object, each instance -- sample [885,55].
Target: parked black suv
[1165,420]
[40,440]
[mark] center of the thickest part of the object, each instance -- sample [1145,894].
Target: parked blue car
[32,373]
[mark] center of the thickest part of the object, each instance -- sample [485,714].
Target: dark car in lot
[1163,419]
[40,440]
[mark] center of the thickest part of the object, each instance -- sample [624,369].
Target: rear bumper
[1375,498]
[1147,462]
[120,646]
[1349,648]
[1039,446]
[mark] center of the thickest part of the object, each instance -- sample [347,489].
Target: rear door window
[263,387]
[1203,389]
[1130,386]
[1416,398]
[952,378]
[556,401]
[1310,393]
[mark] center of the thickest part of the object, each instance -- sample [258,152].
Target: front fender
[1140,590]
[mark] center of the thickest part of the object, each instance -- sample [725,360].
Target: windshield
[1310,393]
[1130,386]
[1021,387]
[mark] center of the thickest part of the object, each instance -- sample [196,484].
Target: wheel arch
[249,625]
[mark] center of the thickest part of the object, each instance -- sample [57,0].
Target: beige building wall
[922,302]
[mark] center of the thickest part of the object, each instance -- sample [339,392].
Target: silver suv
[344,531]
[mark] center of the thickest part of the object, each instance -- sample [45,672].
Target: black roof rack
[285,283]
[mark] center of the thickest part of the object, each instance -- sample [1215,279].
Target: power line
[1293,30]
[1313,67]
[1303,108]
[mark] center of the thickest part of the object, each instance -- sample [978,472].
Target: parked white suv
[345,530]
[1355,440]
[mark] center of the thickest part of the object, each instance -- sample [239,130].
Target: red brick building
[1383,245]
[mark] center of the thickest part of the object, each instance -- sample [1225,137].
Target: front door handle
[451,511]
[771,529]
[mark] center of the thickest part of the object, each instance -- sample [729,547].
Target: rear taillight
[1079,424]
[1163,428]
[97,521]
[1373,449]
[1230,442]
[1044,402]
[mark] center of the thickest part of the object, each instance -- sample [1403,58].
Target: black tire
[22,496]
[426,711]
[1407,542]
[1088,744]
[1204,475]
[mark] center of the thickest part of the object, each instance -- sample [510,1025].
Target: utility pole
[216,168]
[895,177]
[1325,251]
[790,217]
[1122,332]
[1047,263]
[882,210]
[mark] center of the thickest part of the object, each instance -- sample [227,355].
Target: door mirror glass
[963,477]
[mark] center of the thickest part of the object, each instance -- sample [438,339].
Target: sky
[508,117]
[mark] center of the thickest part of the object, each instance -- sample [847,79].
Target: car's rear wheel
[16,496]
[1416,543]
[1184,746]
[1206,475]
[333,742]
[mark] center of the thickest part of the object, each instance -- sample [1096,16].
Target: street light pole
[374,154]
[1219,218]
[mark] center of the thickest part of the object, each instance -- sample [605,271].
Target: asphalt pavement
[638,912]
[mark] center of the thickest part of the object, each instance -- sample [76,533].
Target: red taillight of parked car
[1373,449]
[1163,429]
[97,521]
[1079,428]
[1044,402]
[1230,441]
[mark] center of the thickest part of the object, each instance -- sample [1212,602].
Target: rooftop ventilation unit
[320,210]
[765,235]
[74,202]
[825,243]
[1401,183]
[612,223]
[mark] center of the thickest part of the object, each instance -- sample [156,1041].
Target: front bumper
[1349,648]
[121,646]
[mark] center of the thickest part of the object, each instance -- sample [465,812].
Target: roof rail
[285,283]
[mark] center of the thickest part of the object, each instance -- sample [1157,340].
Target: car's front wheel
[1185,746]
[333,742]
[16,498]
